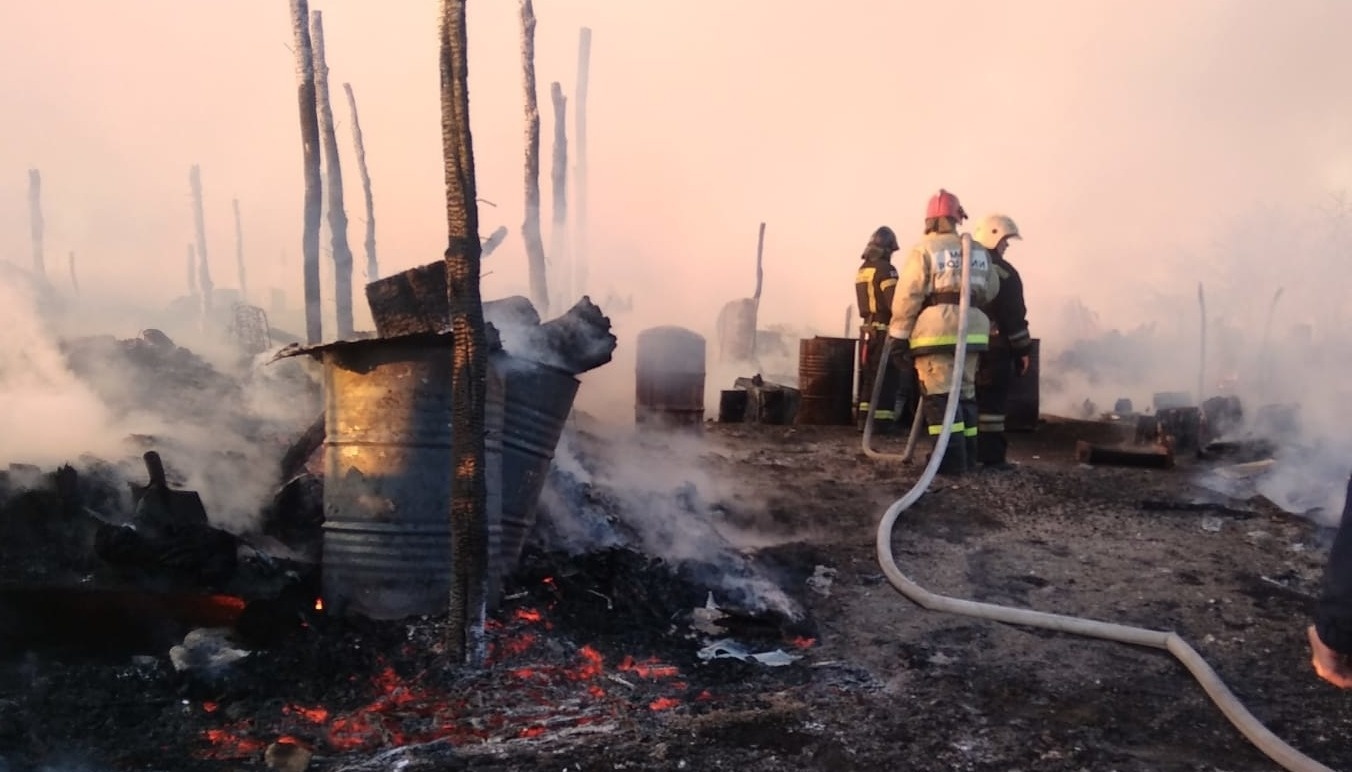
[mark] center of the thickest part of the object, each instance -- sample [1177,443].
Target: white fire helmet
[994,227]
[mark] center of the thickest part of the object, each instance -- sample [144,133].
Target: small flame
[663,703]
[319,604]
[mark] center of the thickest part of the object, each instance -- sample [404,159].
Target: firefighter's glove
[1022,364]
[901,352]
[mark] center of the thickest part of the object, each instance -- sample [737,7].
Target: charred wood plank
[1153,458]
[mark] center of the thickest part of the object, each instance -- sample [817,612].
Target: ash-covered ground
[605,654]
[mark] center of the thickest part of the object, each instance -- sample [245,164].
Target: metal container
[388,467]
[826,381]
[537,399]
[669,378]
[1025,395]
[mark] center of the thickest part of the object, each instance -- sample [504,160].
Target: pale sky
[1126,137]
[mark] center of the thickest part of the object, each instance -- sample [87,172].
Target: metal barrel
[826,380]
[536,402]
[669,378]
[388,469]
[1025,395]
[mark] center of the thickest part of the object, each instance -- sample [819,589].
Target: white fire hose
[1267,742]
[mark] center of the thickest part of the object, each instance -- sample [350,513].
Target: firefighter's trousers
[995,376]
[936,378]
[871,343]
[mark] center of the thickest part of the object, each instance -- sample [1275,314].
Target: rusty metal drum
[826,381]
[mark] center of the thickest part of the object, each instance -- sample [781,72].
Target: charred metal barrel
[388,469]
[1025,395]
[537,399]
[826,381]
[669,378]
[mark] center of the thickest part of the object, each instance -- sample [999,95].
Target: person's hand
[1024,362]
[1328,664]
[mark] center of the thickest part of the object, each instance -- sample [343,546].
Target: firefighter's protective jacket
[874,286]
[925,304]
[1008,312]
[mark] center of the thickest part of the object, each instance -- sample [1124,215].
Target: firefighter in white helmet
[1009,353]
[925,324]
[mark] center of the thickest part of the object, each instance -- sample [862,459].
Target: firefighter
[1331,634]
[1009,353]
[925,323]
[873,287]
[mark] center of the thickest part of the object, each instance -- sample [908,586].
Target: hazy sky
[1127,138]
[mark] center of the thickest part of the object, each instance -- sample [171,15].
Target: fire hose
[1267,742]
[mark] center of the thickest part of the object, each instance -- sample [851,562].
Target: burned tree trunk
[342,253]
[199,225]
[469,368]
[35,222]
[309,135]
[372,267]
[74,282]
[530,229]
[558,178]
[239,252]
[580,224]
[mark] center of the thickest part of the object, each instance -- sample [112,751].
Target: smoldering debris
[607,491]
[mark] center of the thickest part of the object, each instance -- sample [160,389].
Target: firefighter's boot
[970,431]
[954,461]
[992,448]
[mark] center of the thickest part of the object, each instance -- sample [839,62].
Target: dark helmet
[884,239]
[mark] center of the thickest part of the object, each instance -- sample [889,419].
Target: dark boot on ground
[954,461]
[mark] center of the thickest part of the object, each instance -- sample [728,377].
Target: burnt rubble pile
[149,373]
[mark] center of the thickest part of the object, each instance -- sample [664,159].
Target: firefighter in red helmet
[925,323]
[874,285]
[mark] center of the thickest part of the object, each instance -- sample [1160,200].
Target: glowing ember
[803,643]
[525,692]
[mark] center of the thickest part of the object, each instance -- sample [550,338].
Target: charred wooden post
[1154,458]
[239,253]
[369,244]
[530,228]
[309,135]
[494,240]
[558,177]
[74,281]
[469,526]
[200,227]
[192,272]
[580,116]
[342,252]
[35,222]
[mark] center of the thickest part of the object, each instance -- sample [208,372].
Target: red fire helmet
[945,204]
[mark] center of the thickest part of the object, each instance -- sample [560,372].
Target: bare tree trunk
[309,135]
[580,224]
[35,222]
[239,253]
[469,371]
[199,225]
[530,229]
[74,281]
[558,177]
[192,272]
[372,267]
[342,253]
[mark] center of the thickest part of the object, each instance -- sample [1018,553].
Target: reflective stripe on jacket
[934,266]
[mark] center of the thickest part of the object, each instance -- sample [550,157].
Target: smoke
[221,427]
[654,493]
